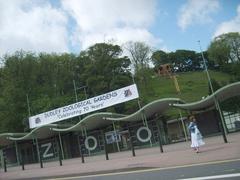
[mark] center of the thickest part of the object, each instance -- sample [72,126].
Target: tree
[18,76]
[45,78]
[225,49]
[219,52]
[160,57]
[184,60]
[105,69]
[180,60]
[140,55]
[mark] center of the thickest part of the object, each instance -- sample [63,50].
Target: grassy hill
[193,86]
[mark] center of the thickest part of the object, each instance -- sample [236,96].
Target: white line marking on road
[214,177]
[142,171]
[229,170]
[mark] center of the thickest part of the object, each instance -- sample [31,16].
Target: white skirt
[196,139]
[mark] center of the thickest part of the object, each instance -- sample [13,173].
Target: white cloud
[118,36]
[103,20]
[41,27]
[197,12]
[229,26]
[32,26]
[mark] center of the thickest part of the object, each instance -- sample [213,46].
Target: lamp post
[214,97]
[75,92]
[79,88]
[139,106]
[79,117]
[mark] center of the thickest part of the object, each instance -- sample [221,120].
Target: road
[214,170]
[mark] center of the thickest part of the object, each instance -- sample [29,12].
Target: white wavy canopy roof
[41,132]
[90,122]
[5,137]
[221,94]
[157,106]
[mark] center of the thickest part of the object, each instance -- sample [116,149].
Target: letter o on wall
[149,134]
[87,143]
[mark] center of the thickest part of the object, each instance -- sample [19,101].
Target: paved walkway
[174,155]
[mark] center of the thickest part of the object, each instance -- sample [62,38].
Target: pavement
[178,154]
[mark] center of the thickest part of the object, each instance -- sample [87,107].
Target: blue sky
[175,37]
[74,25]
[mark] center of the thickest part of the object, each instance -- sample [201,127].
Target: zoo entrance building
[106,132]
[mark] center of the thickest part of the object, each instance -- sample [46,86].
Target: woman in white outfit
[196,137]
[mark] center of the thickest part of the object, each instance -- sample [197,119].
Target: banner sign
[89,105]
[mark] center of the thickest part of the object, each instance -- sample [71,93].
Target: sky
[70,26]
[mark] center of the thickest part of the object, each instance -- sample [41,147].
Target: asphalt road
[218,170]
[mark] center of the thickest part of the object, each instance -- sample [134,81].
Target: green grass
[193,86]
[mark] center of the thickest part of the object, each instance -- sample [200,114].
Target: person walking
[196,137]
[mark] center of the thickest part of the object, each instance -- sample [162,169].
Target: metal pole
[82,87]
[159,137]
[183,125]
[80,149]
[114,127]
[39,153]
[105,146]
[85,131]
[22,155]
[131,141]
[29,110]
[221,115]
[61,146]
[1,158]
[76,96]
[142,113]
[17,155]
[215,99]
[5,164]
[82,132]
[146,124]
[59,154]
[33,152]
[139,105]
[34,142]
[85,92]
[75,90]
[79,145]
[41,162]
